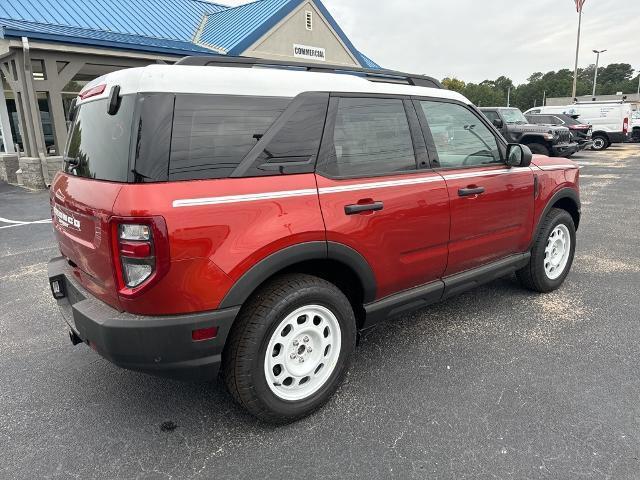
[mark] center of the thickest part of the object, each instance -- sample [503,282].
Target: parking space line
[19,223]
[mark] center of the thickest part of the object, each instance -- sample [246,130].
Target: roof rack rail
[384,76]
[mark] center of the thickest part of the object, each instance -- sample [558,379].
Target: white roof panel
[269,82]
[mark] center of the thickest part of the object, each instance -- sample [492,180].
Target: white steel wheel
[302,353]
[557,251]
[599,143]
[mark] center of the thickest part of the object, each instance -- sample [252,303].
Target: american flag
[579,5]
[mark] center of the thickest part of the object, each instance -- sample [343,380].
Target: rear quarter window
[99,143]
[213,133]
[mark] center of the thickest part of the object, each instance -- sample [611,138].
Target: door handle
[364,207]
[466,192]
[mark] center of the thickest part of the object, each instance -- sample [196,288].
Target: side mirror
[518,155]
[498,123]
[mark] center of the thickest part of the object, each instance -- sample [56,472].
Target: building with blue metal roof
[50,48]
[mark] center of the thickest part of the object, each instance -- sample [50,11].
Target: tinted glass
[153,137]
[99,143]
[371,137]
[460,137]
[491,115]
[212,134]
[295,145]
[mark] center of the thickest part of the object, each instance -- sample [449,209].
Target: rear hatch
[96,165]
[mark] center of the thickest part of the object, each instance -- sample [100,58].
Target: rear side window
[292,144]
[99,143]
[212,134]
[371,137]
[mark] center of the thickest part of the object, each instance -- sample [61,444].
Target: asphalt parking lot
[497,383]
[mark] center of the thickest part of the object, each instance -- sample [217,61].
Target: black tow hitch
[75,339]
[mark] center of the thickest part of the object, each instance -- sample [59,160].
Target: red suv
[253,220]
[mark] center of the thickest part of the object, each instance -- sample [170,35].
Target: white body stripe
[252,197]
[193,202]
[373,185]
[557,167]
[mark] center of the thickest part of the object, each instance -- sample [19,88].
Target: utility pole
[579,5]
[544,98]
[595,76]
[509,97]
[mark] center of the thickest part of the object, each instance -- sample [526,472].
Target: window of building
[308,17]
[460,137]
[213,133]
[371,137]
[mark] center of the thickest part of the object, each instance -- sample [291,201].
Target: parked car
[610,120]
[253,220]
[542,140]
[581,132]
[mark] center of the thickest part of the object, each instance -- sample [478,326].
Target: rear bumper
[564,149]
[156,345]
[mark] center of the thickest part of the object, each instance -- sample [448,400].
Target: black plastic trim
[433,292]
[347,255]
[402,302]
[460,282]
[302,252]
[159,345]
[559,195]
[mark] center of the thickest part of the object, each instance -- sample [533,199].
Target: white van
[610,120]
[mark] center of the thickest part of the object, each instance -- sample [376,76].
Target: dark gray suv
[543,140]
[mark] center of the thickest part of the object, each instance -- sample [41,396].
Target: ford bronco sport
[546,140]
[251,221]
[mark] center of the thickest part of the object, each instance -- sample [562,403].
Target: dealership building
[50,49]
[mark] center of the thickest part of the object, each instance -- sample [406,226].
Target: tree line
[614,78]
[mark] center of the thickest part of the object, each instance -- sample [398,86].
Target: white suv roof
[270,82]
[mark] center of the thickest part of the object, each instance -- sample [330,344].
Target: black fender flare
[563,193]
[298,253]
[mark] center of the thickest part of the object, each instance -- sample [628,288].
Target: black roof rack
[385,76]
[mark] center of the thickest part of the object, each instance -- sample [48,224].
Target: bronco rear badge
[66,220]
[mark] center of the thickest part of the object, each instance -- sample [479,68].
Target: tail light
[92,92]
[140,249]
[625,126]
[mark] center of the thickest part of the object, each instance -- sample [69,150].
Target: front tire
[538,149]
[290,348]
[552,253]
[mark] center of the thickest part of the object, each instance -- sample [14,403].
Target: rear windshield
[99,143]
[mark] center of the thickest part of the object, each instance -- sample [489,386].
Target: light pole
[595,76]
[579,5]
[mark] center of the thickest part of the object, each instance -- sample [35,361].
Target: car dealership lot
[497,383]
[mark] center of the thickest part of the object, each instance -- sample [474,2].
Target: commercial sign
[309,53]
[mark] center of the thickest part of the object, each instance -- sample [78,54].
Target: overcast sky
[477,40]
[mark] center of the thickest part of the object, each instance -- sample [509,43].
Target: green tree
[454,84]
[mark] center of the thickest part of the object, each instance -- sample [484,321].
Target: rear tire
[290,348]
[538,149]
[552,253]
[600,142]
